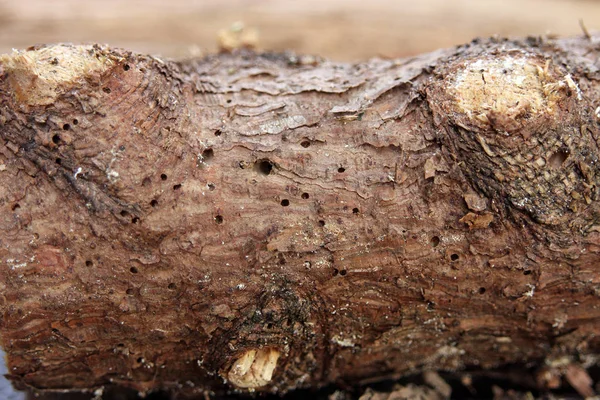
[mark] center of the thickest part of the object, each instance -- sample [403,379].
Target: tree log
[271,221]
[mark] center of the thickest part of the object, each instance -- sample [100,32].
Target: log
[272,221]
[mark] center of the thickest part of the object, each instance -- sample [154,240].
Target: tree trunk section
[272,221]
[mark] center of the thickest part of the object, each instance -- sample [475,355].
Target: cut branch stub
[254,368]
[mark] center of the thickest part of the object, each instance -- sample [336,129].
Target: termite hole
[207,154]
[341,170]
[177,187]
[133,270]
[355,210]
[172,286]
[435,241]
[126,67]
[285,202]
[16,206]
[129,291]
[481,290]
[527,272]
[305,196]
[321,222]
[211,186]
[154,203]
[56,139]
[66,127]
[218,132]
[163,177]
[219,219]
[557,159]
[264,166]
[305,143]
[88,263]
[135,220]
[454,257]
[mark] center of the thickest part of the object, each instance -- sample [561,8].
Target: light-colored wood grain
[339,29]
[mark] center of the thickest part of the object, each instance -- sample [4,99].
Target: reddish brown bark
[192,225]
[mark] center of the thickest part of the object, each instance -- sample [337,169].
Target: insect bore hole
[557,159]
[207,154]
[264,167]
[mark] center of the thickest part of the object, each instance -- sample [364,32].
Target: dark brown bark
[194,226]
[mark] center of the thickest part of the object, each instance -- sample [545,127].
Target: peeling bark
[272,221]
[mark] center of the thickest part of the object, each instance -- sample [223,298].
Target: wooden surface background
[338,29]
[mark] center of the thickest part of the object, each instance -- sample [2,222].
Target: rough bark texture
[272,221]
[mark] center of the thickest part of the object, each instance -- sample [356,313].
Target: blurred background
[344,30]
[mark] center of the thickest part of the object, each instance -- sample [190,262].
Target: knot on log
[39,76]
[523,128]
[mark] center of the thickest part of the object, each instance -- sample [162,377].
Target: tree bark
[272,221]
